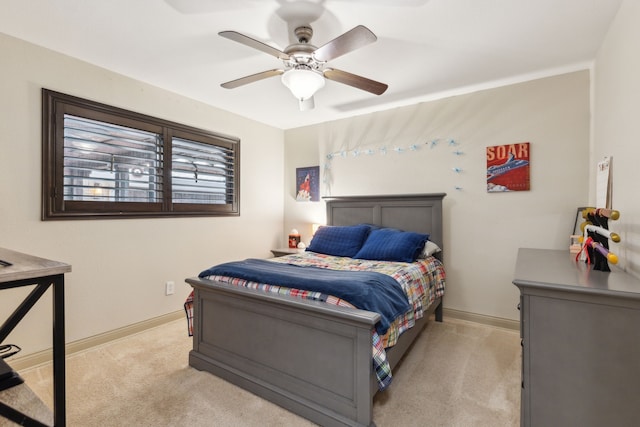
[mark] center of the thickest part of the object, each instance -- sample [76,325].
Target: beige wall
[482,231]
[120,266]
[616,124]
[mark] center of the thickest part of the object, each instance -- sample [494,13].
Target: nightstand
[285,251]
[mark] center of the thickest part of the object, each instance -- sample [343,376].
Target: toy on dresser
[595,238]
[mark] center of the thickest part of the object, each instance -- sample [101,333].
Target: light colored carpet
[457,373]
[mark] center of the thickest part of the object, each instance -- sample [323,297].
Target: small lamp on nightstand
[314,228]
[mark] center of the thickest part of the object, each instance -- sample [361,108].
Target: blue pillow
[339,240]
[388,244]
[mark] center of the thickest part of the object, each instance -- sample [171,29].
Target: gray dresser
[580,334]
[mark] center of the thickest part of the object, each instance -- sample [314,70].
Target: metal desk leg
[59,381]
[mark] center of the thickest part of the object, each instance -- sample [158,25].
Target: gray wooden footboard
[309,357]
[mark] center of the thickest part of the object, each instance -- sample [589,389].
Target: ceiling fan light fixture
[303,83]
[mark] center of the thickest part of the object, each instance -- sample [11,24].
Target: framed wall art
[508,167]
[308,184]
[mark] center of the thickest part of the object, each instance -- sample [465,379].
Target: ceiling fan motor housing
[301,53]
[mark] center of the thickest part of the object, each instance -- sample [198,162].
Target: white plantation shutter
[201,173]
[111,163]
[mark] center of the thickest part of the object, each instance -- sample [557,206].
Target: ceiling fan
[305,70]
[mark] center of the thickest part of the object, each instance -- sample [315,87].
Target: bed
[310,357]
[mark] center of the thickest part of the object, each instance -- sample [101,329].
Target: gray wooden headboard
[421,213]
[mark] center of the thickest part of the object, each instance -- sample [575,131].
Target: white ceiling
[426,49]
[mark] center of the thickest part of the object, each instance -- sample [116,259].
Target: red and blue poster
[308,184]
[508,167]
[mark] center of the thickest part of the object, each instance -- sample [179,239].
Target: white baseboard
[481,318]
[36,359]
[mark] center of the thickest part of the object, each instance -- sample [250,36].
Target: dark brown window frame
[54,107]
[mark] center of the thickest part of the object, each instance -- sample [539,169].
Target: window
[102,161]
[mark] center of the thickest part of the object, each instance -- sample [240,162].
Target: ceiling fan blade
[353,39]
[250,79]
[256,44]
[355,81]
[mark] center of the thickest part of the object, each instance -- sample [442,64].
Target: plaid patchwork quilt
[422,281]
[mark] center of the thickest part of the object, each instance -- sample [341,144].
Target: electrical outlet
[169,288]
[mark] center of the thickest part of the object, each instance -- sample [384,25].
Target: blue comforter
[369,291]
